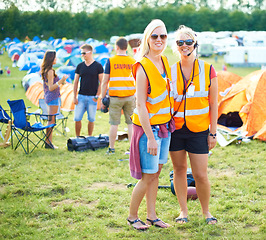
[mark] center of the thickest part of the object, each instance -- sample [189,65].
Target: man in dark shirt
[90,73]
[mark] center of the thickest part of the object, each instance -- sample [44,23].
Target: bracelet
[213,135]
[96,97]
[57,84]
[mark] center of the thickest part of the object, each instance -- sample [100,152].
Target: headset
[195,46]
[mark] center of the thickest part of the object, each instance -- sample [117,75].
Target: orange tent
[35,92]
[226,80]
[248,98]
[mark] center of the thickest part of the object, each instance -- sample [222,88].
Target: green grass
[57,194]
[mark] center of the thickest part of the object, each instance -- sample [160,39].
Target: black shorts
[191,142]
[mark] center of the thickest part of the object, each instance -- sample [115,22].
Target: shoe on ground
[110,151]
[50,146]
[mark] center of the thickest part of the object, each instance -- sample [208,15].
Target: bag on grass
[190,180]
[82,143]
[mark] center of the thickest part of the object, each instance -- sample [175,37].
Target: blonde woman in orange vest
[151,123]
[195,113]
[118,74]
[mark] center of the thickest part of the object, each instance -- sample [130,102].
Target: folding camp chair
[23,130]
[5,119]
[60,119]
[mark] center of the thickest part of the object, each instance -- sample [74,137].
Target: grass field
[57,194]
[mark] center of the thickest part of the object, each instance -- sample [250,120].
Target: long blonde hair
[144,47]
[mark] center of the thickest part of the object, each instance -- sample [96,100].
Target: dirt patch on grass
[108,185]
[75,203]
[221,173]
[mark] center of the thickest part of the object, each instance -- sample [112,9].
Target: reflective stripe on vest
[159,104]
[121,82]
[196,112]
[192,112]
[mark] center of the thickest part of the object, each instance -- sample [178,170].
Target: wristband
[212,135]
[57,84]
[96,97]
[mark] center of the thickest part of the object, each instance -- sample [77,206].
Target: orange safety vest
[160,101]
[192,109]
[121,82]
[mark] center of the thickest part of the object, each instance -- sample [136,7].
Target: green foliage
[102,23]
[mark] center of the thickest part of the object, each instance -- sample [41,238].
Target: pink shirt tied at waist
[134,157]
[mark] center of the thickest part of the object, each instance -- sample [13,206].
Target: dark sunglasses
[188,42]
[155,36]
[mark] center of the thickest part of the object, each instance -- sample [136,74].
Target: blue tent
[69,70]
[27,66]
[36,39]
[16,40]
[50,39]
[101,49]
[34,69]
[7,39]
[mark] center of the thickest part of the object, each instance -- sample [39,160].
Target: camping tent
[35,92]
[226,81]
[247,97]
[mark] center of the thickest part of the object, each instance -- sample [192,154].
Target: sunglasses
[83,53]
[188,42]
[155,36]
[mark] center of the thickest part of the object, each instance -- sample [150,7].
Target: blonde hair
[144,47]
[186,31]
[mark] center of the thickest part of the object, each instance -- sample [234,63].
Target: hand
[95,99]
[211,142]
[75,101]
[64,78]
[152,147]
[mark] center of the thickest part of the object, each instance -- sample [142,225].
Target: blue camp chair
[23,130]
[4,119]
[60,119]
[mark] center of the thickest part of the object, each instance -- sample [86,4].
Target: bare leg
[138,194]
[179,159]
[90,128]
[129,131]
[49,131]
[78,127]
[199,163]
[112,135]
[151,194]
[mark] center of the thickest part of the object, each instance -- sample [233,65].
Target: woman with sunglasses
[51,86]
[152,115]
[195,114]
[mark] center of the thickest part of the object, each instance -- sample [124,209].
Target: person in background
[151,118]
[90,74]
[121,90]
[195,114]
[51,87]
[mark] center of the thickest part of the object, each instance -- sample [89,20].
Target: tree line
[102,24]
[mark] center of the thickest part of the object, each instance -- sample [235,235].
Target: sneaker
[110,151]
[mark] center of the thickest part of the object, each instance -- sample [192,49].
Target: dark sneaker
[110,151]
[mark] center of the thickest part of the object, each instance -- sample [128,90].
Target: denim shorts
[55,102]
[85,103]
[149,163]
